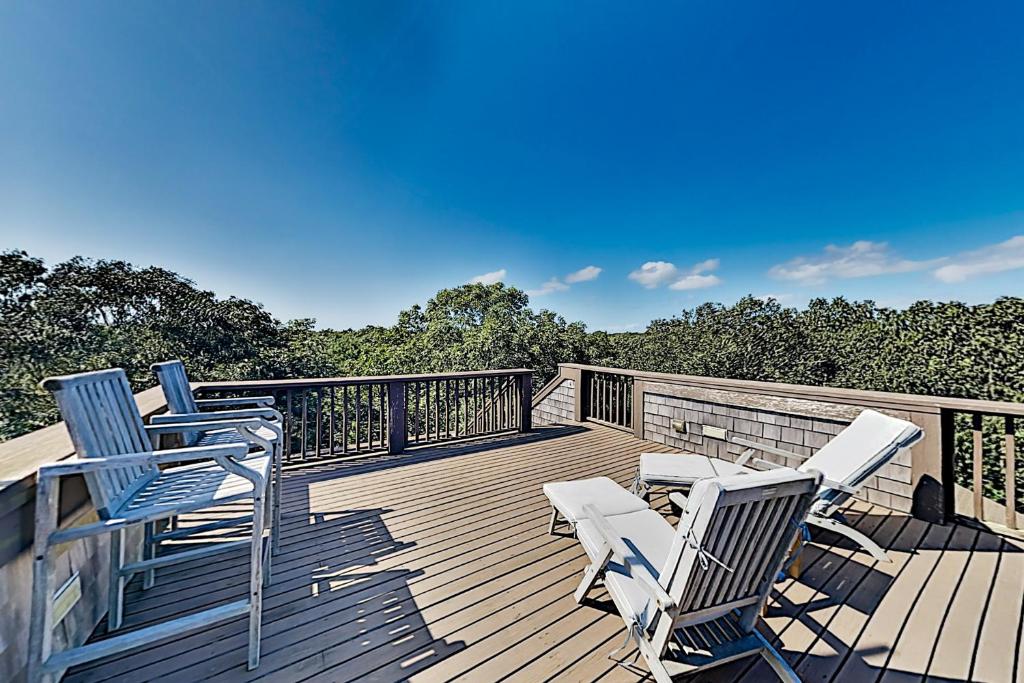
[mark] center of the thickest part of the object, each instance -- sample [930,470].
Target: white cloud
[583,274]
[861,259]
[489,278]
[995,258]
[654,274]
[552,285]
[560,285]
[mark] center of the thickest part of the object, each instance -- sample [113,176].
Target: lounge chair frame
[702,613]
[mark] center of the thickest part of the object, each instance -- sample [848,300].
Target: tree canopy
[82,315]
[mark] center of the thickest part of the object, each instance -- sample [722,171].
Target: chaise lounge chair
[847,462]
[690,596]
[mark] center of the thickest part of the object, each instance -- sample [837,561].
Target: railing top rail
[21,456]
[306,383]
[918,402]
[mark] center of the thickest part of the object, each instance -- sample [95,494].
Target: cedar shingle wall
[558,406]
[802,434]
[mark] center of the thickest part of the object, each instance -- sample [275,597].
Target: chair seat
[193,487]
[569,497]
[222,436]
[684,469]
[646,533]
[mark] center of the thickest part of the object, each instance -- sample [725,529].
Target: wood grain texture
[436,565]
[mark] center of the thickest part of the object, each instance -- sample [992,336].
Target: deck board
[435,565]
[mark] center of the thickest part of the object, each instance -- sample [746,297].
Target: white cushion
[684,469]
[569,497]
[863,447]
[649,536]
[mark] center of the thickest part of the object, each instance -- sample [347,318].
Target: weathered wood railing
[988,478]
[609,399]
[354,415]
[966,465]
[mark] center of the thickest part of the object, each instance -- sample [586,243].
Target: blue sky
[344,161]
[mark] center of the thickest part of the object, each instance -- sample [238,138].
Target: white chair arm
[260,401]
[143,458]
[265,413]
[764,448]
[622,552]
[203,426]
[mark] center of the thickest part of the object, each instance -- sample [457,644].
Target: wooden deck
[435,565]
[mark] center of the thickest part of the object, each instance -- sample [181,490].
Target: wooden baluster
[330,424]
[319,419]
[1010,446]
[458,400]
[359,399]
[344,419]
[289,425]
[979,510]
[382,415]
[416,409]
[305,423]
[437,408]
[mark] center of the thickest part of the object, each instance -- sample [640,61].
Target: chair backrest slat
[177,391]
[747,523]
[103,419]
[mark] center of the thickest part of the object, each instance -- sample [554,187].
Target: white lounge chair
[690,596]
[182,406]
[129,484]
[847,462]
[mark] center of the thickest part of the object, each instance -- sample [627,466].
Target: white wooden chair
[182,407]
[690,596]
[847,461]
[130,485]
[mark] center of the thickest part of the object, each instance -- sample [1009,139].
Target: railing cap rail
[305,383]
[918,402]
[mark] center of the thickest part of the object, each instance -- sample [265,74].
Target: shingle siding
[803,434]
[557,407]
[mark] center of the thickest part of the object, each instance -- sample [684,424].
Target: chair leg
[849,532]
[149,548]
[591,575]
[553,522]
[268,516]
[115,599]
[276,540]
[776,661]
[40,638]
[256,578]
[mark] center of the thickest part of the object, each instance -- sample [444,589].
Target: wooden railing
[355,415]
[985,447]
[967,464]
[609,399]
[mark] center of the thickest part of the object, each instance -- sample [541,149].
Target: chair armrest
[765,448]
[768,464]
[144,458]
[623,553]
[178,418]
[679,499]
[202,426]
[259,401]
[838,486]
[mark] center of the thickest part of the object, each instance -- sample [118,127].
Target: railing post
[525,403]
[931,464]
[578,392]
[637,412]
[396,417]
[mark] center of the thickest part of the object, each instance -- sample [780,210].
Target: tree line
[83,314]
